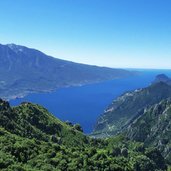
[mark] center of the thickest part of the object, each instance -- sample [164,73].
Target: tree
[155,155]
[78,127]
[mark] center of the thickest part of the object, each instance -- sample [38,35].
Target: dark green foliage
[38,141]
[143,163]
[153,128]
[78,127]
[155,155]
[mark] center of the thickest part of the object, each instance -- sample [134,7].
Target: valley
[84,104]
[118,141]
[85,85]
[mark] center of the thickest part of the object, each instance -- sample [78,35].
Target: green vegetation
[153,128]
[128,106]
[31,139]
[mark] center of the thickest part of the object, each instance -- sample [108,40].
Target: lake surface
[84,104]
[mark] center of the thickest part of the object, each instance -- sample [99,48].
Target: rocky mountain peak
[162,78]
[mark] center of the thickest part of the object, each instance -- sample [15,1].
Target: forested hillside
[32,139]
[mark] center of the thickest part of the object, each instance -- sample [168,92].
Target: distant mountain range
[24,70]
[130,105]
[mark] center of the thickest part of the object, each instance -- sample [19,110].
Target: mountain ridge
[153,127]
[25,70]
[129,105]
[32,139]
[162,78]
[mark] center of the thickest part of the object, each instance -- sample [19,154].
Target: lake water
[84,104]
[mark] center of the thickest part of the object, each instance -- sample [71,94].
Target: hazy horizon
[127,68]
[117,34]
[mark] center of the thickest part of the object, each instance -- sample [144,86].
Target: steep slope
[128,106]
[31,139]
[153,127]
[33,121]
[24,70]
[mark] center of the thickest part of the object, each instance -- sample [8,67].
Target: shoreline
[28,92]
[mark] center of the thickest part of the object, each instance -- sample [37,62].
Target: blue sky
[114,33]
